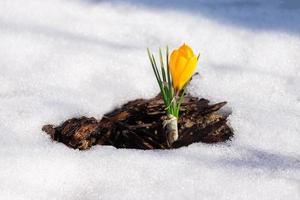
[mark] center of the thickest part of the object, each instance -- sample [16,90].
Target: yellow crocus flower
[181,66]
[183,63]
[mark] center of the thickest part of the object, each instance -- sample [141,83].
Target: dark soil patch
[138,125]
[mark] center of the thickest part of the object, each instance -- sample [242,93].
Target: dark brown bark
[138,124]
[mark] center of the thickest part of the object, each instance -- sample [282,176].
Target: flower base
[139,125]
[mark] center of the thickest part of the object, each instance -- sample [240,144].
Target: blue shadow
[258,15]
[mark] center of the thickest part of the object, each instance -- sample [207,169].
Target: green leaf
[181,98]
[163,73]
[156,70]
[170,85]
[153,67]
[162,89]
[162,66]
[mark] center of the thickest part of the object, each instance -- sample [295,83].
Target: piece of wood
[138,124]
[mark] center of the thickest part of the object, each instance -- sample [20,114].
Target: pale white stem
[170,126]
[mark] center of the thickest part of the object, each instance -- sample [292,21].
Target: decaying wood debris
[138,124]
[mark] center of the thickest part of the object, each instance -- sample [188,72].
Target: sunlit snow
[66,58]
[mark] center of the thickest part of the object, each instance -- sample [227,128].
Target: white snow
[67,58]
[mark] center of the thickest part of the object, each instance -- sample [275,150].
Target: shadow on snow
[252,14]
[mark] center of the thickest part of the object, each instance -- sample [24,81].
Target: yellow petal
[186,51]
[173,60]
[180,66]
[187,73]
[172,65]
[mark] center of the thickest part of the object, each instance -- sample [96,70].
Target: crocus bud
[183,63]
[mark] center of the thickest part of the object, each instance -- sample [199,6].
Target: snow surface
[67,58]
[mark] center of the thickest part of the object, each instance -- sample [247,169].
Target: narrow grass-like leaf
[164,78]
[181,98]
[162,66]
[162,84]
[153,67]
[170,85]
[162,89]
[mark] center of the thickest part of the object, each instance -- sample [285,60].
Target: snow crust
[67,58]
